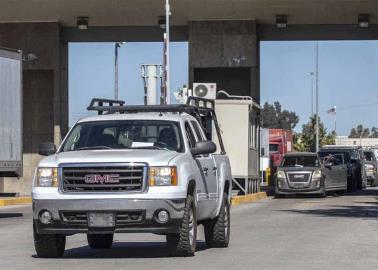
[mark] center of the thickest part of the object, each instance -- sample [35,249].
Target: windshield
[337,158]
[125,134]
[369,156]
[273,147]
[300,161]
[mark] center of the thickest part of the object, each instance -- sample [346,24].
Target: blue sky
[347,76]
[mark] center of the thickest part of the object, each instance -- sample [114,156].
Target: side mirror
[203,148]
[328,165]
[46,149]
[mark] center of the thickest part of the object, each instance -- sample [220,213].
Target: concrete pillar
[227,53]
[44,92]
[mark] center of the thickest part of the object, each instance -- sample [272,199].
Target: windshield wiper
[150,147]
[93,148]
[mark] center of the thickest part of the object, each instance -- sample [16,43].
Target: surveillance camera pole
[317,96]
[117,45]
[166,56]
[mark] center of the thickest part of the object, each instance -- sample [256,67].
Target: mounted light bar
[281,21]
[82,22]
[363,20]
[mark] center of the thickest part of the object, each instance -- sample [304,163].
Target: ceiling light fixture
[82,23]
[281,21]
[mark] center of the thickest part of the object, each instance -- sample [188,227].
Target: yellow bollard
[267,176]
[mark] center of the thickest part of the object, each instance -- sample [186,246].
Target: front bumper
[138,215]
[370,175]
[310,187]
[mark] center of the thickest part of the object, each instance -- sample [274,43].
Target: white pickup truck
[135,169]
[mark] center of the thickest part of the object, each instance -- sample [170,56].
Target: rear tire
[49,245]
[184,243]
[278,196]
[217,231]
[340,192]
[100,241]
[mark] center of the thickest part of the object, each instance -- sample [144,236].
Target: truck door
[207,167]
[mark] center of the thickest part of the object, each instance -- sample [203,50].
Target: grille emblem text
[102,178]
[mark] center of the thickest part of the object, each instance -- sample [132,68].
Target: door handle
[205,170]
[215,170]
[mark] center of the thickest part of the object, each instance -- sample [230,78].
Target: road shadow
[364,192]
[122,250]
[11,215]
[351,211]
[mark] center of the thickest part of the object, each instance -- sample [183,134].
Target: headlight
[317,174]
[281,174]
[47,177]
[163,176]
[369,167]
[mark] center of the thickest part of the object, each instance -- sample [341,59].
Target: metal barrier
[246,185]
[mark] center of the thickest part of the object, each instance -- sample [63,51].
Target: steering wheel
[162,145]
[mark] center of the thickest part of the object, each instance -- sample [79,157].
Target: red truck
[280,143]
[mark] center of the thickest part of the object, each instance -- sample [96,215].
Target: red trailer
[280,143]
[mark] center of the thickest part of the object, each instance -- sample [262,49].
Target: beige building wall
[365,142]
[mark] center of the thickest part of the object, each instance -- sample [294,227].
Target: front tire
[217,231]
[184,243]
[49,245]
[100,241]
[323,194]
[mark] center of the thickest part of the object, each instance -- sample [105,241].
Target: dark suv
[353,156]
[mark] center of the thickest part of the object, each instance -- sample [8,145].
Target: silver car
[304,173]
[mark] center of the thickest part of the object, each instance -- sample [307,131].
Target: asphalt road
[293,233]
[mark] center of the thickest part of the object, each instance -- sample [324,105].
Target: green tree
[361,132]
[374,132]
[353,133]
[274,117]
[306,141]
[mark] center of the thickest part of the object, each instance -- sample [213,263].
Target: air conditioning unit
[205,90]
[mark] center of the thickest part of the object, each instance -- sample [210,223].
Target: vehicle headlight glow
[47,177]
[163,176]
[317,174]
[281,175]
[369,167]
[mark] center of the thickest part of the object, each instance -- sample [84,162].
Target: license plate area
[299,185]
[101,220]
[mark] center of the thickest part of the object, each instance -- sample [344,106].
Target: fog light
[163,216]
[45,217]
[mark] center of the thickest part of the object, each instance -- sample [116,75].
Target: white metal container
[10,112]
[239,122]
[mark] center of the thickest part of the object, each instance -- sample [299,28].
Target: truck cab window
[197,130]
[189,135]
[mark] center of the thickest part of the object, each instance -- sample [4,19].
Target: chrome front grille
[299,176]
[109,178]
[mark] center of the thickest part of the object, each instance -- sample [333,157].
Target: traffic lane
[293,233]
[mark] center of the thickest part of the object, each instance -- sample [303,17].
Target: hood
[151,157]
[299,169]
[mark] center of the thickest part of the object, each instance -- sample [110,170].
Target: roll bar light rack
[200,108]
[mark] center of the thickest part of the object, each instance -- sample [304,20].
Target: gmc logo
[298,176]
[102,179]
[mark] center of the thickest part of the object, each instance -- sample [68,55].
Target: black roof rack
[109,106]
[195,106]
